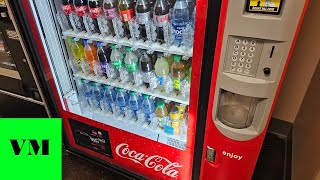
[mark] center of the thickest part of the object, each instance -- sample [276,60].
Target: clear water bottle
[87,92]
[116,58]
[193,17]
[108,98]
[180,20]
[121,100]
[148,107]
[97,95]
[134,103]
[131,62]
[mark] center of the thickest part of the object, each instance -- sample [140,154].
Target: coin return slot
[272,50]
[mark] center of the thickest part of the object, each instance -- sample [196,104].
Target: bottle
[161,113]
[116,58]
[160,17]
[193,17]
[175,119]
[147,106]
[171,4]
[121,100]
[81,7]
[134,102]
[178,73]
[110,8]
[90,52]
[142,16]
[126,9]
[161,69]
[67,8]
[191,6]
[77,51]
[151,5]
[189,74]
[103,58]
[146,67]
[97,94]
[87,92]
[95,11]
[180,20]
[108,95]
[131,61]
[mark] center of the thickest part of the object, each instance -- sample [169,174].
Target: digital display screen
[264,6]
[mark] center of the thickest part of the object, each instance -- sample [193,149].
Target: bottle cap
[160,104]
[95,83]
[85,41]
[176,58]
[119,89]
[83,81]
[106,86]
[128,49]
[113,46]
[145,96]
[99,44]
[132,93]
[73,40]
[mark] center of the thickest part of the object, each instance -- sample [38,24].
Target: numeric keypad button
[240,65]
[250,55]
[249,60]
[235,53]
[252,49]
[244,48]
[245,42]
[233,64]
[236,47]
[246,71]
[237,41]
[239,70]
[243,53]
[241,59]
[232,68]
[248,66]
[234,58]
[253,43]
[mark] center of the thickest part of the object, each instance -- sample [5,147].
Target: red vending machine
[125,76]
[255,41]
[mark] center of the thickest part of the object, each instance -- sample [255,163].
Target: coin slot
[271,53]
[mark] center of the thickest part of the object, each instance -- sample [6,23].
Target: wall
[306,133]
[302,65]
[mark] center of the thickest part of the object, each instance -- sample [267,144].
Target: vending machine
[125,76]
[130,79]
[255,42]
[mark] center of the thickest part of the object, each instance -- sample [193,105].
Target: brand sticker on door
[264,6]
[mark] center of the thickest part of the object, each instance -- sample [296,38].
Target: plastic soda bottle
[131,61]
[110,8]
[148,106]
[161,69]
[146,67]
[103,58]
[121,100]
[95,10]
[180,20]
[87,91]
[178,73]
[126,8]
[67,8]
[90,52]
[161,113]
[108,96]
[116,58]
[134,102]
[77,50]
[142,16]
[160,17]
[81,7]
[175,120]
[97,94]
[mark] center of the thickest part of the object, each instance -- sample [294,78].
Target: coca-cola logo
[163,18]
[155,162]
[81,10]
[67,9]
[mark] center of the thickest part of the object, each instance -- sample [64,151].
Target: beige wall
[306,134]
[302,65]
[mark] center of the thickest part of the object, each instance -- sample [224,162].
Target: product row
[169,21]
[142,108]
[137,67]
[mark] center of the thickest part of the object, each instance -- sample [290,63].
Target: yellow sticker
[264,6]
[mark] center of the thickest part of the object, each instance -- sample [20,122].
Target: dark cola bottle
[95,10]
[151,4]
[67,8]
[81,7]
[142,16]
[160,17]
[126,9]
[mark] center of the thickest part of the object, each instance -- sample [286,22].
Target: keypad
[243,55]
